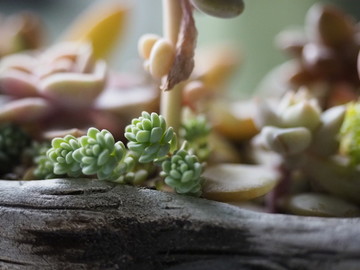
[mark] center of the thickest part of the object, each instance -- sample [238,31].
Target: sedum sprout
[61,155]
[183,172]
[45,167]
[99,154]
[196,131]
[149,137]
[151,143]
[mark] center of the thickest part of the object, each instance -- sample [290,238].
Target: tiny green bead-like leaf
[99,154]
[196,131]
[60,154]
[44,166]
[149,138]
[182,172]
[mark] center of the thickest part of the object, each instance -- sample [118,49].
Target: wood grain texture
[86,224]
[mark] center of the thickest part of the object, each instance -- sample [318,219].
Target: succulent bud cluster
[183,173]
[93,154]
[150,141]
[149,137]
[195,131]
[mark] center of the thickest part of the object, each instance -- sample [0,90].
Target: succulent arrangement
[66,113]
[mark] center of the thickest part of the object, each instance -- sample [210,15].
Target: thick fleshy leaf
[334,176]
[75,90]
[237,182]
[234,120]
[317,204]
[18,83]
[25,110]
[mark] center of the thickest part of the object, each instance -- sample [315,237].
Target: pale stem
[170,103]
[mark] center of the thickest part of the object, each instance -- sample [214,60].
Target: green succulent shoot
[44,166]
[196,131]
[350,133]
[183,172]
[99,154]
[150,138]
[61,154]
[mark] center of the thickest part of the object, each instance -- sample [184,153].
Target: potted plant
[99,208]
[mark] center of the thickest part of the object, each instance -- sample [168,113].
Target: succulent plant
[149,137]
[61,155]
[196,131]
[327,53]
[183,172]
[99,154]
[44,166]
[13,142]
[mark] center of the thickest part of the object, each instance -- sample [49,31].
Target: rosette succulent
[183,172]
[45,88]
[99,154]
[149,137]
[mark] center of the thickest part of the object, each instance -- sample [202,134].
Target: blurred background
[252,33]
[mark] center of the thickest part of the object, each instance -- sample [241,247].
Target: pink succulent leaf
[18,83]
[75,90]
[85,61]
[61,65]
[22,62]
[127,101]
[25,110]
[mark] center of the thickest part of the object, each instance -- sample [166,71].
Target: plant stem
[170,104]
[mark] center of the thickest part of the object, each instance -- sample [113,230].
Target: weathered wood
[85,224]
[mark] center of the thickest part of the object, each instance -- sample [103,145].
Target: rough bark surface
[85,224]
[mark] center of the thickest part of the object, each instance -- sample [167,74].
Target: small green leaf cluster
[13,142]
[196,131]
[149,137]
[61,156]
[44,166]
[150,142]
[350,133]
[183,172]
[99,154]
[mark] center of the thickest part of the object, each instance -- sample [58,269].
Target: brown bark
[85,224]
